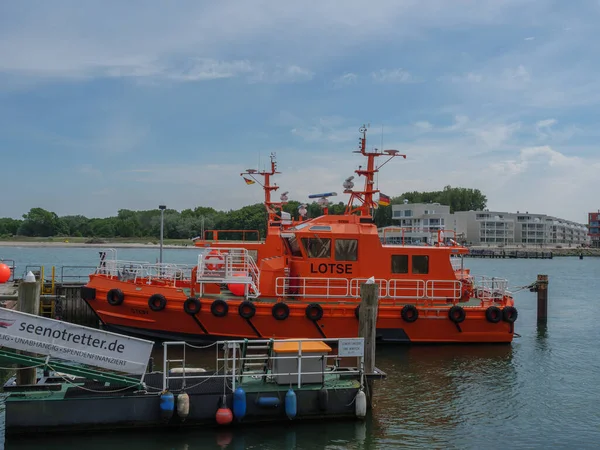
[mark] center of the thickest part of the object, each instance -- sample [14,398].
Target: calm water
[542,391]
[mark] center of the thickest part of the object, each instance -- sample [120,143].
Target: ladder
[255,359]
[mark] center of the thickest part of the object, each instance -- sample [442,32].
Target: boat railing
[312,287]
[292,369]
[214,236]
[490,288]
[228,265]
[399,289]
[355,284]
[388,289]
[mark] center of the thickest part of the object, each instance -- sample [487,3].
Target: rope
[201,346]
[21,368]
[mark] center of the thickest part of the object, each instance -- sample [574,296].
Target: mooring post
[29,302]
[542,297]
[367,326]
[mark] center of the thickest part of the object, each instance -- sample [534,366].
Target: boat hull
[339,319]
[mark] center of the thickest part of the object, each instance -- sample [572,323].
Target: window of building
[408,213]
[317,247]
[294,246]
[420,264]
[346,249]
[399,263]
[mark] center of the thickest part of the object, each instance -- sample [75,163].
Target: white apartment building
[419,223]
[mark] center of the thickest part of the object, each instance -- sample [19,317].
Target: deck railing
[230,359]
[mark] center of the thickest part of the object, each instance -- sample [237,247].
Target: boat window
[294,246]
[317,247]
[320,228]
[346,249]
[420,264]
[399,263]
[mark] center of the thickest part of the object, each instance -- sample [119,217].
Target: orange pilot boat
[303,281]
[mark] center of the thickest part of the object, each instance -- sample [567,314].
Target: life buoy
[247,309]
[115,297]
[314,312]
[280,311]
[214,260]
[192,306]
[409,313]
[493,314]
[456,314]
[219,308]
[509,314]
[157,302]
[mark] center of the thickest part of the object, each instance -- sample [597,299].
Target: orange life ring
[214,260]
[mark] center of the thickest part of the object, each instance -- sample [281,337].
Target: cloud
[530,38]
[393,76]
[345,80]
[547,123]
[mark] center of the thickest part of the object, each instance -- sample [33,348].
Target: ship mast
[364,198]
[272,207]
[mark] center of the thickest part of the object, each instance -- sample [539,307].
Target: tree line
[189,223]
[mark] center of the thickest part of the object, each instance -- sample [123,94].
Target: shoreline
[84,245]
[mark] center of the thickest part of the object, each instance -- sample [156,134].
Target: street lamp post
[162,210]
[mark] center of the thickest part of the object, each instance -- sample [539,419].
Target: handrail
[215,235]
[232,352]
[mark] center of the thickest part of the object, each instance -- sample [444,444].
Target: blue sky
[109,105]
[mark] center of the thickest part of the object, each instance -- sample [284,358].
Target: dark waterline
[541,391]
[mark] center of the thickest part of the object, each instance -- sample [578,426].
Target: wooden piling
[367,322]
[29,302]
[542,297]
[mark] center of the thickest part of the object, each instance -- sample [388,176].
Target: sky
[108,105]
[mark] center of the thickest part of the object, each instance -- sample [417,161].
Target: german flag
[384,200]
[248,180]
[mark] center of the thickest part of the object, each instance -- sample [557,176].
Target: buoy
[238,289]
[167,405]
[361,404]
[323,399]
[4,273]
[268,402]
[224,415]
[291,405]
[183,405]
[239,403]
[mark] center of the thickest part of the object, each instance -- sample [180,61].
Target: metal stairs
[255,359]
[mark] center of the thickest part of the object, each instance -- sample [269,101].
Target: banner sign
[57,339]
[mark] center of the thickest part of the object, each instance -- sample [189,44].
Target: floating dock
[55,390]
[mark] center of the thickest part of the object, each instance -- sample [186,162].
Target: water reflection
[286,436]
